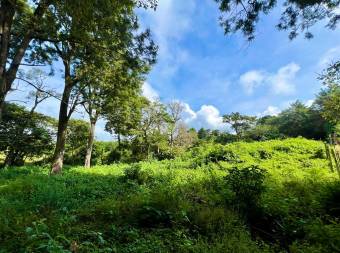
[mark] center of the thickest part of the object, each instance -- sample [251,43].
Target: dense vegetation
[242,197]
[268,184]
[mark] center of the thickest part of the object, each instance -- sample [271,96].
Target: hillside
[273,196]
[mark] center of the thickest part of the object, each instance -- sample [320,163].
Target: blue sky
[217,74]
[214,74]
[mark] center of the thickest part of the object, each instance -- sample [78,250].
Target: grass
[282,197]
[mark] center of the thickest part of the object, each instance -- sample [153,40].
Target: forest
[261,182]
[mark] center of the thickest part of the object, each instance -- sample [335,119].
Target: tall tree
[328,100]
[20,22]
[240,123]
[114,93]
[153,127]
[175,110]
[101,29]
[300,120]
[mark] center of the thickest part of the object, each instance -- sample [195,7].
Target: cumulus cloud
[149,92]
[207,117]
[280,83]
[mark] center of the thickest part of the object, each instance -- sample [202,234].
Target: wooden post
[329,157]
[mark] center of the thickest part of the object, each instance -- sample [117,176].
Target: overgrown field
[274,196]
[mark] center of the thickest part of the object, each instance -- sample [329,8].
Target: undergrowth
[274,196]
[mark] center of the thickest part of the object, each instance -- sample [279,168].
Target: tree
[114,93]
[298,16]
[300,120]
[102,29]
[123,115]
[203,134]
[24,134]
[36,78]
[262,132]
[240,123]
[76,141]
[20,22]
[175,110]
[328,100]
[153,127]
[185,137]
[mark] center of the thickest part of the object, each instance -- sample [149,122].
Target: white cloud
[309,102]
[270,111]
[172,20]
[149,92]
[330,56]
[207,117]
[250,80]
[169,24]
[280,83]
[274,110]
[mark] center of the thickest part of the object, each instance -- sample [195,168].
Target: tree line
[105,57]
[152,130]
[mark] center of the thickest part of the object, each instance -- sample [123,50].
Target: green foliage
[77,132]
[164,206]
[328,100]
[24,134]
[298,16]
[137,174]
[240,123]
[299,120]
[247,185]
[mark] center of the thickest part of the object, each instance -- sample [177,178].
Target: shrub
[222,155]
[319,154]
[247,185]
[330,201]
[264,154]
[137,174]
[149,217]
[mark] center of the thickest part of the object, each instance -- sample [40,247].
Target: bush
[247,185]
[137,174]
[222,155]
[319,154]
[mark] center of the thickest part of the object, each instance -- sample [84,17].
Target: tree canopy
[297,16]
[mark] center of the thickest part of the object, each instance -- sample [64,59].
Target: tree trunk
[6,16]
[90,142]
[2,104]
[119,140]
[58,157]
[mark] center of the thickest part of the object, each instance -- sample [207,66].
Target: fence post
[336,159]
[329,157]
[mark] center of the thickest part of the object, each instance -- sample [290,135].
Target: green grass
[190,204]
